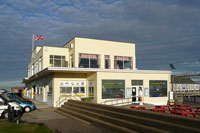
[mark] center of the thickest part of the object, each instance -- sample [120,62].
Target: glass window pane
[91,90]
[63,63]
[107,64]
[82,89]
[136,82]
[127,64]
[158,88]
[57,63]
[69,90]
[57,57]
[119,64]
[84,63]
[62,89]
[93,63]
[51,62]
[63,57]
[76,90]
[113,89]
[51,56]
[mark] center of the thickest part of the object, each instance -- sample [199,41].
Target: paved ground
[59,123]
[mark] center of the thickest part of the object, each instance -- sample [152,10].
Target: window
[40,64]
[113,89]
[107,62]
[137,82]
[66,90]
[50,89]
[76,90]
[89,61]
[82,89]
[40,90]
[71,61]
[57,61]
[91,90]
[158,88]
[123,62]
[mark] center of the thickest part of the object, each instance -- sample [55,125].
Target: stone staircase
[118,119]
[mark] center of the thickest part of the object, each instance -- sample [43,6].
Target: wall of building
[71,46]
[102,48]
[92,77]
[54,51]
[64,77]
[134,76]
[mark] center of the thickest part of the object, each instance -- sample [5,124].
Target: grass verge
[24,128]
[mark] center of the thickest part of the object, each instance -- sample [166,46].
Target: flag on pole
[36,38]
[39,37]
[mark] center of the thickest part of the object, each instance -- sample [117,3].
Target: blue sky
[165,31]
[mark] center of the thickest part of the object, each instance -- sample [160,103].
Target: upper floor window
[57,61]
[40,64]
[123,62]
[89,61]
[107,62]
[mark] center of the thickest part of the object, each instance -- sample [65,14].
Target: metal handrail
[61,99]
[120,99]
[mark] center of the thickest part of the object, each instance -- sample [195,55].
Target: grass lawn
[23,128]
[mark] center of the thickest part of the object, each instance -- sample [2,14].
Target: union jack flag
[38,37]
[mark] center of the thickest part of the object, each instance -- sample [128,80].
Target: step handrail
[116,101]
[61,99]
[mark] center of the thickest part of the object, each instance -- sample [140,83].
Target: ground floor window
[72,87]
[78,90]
[65,90]
[113,89]
[158,88]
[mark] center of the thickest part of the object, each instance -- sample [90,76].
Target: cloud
[164,31]
[10,84]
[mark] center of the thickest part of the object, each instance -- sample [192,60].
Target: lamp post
[172,78]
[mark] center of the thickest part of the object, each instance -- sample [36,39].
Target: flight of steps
[124,120]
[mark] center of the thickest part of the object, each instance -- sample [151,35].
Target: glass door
[137,94]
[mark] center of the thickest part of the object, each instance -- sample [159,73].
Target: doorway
[137,91]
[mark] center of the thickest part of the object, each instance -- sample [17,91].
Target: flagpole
[32,42]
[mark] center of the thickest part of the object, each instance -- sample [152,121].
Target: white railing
[122,101]
[61,100]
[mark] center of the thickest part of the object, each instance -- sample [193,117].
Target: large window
[107,62]
[113,89]
[158,88]
[89,61]
[65,90]
[123,62]
[57,61]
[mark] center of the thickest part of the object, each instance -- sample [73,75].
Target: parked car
[3,91]
[4,103]
[26,105]
[17,95]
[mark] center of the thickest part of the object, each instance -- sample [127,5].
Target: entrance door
[136,92]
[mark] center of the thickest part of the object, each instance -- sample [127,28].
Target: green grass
[23,128]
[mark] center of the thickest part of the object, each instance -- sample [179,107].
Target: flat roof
[49,70]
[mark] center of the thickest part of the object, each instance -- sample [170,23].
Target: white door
[136,92]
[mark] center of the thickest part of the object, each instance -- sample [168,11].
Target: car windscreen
[6,98]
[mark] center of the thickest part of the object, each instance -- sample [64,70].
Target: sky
[164,31]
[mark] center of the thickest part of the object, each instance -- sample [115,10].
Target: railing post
[59,101]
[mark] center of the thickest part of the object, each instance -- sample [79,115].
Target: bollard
[9,113]
[13,114]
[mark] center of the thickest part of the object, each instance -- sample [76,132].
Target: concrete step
[120,122]
[174,119]
[98,122]
[136,119]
